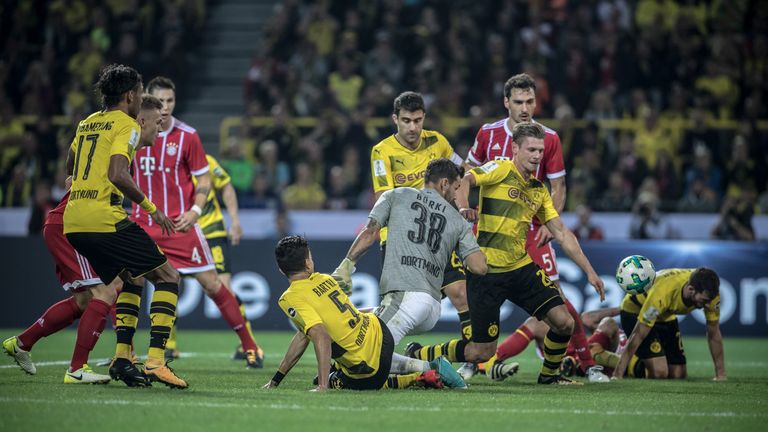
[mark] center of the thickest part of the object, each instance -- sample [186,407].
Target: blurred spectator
[741,171]
[17,189]
[304,193]
[584,228]
[647,222]
[260,195]
[41,205]
[667,180]
[633,168]
[277,172]
[340,195]
[736,217]
[345,85]
[237,166]
[698,199]
[704,169]
[616,197]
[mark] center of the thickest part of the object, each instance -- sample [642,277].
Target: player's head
[520,97]
[443,176]
[702,287]
[293,256]
[120,85]
[165,90]
[149,119]
[528,145]
[408,114]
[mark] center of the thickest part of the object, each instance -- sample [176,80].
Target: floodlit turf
[224,396]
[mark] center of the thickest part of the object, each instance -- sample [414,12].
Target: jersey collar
[165,133]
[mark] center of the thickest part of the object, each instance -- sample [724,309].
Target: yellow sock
[162,315]
[127,318]
[402,381]
[487,365]
[554,350]
[452,350]
[247,323]
[466,325]
[171,342]
[606,358]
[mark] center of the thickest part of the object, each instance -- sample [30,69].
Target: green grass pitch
[224,396]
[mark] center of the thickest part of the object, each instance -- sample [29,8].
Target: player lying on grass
[654,332]
[359,343]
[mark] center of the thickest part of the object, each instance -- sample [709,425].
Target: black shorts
[220,251]
[454,270]
[528,287]
[128,249]
[375,382]
[662,341]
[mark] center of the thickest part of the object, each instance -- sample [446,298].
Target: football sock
[453,351]
[127,318]
[636,367]
[227,304]
[88,331]
[606,358]
[162,314]
[171,342]
[402,381]
[245,318]
[466,324]
[58,316]
[486,366]
[554,350]
[579,339]
[514,344]
[404,365]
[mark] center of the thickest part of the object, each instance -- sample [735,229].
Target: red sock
[514,344]
[88,331]
[579,339]
[230,311]
[57,317]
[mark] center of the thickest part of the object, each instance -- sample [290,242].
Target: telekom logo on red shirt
[147,165]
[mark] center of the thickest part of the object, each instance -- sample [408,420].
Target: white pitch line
[99,360]
[356,409]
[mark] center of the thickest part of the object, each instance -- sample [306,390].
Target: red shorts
[543,256]
[188,252]
[72,269]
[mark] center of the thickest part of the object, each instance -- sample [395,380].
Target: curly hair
[114,81]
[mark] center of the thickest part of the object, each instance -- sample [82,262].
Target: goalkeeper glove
[343,275]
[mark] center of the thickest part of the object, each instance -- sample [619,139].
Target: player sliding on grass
[359,343]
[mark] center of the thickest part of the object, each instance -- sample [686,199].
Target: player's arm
[558,192]
[462,197]
[570,245]
[296,349]
[322,342]
[363,241]
[715,341]
[229,197]
[591,319]
[637,337]
[187,220]
[70,162]
[382,173]
[476,263]
[119,175]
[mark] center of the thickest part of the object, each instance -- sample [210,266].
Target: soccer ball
[635,274]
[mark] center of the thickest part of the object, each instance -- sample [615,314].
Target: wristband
[148,206]
[196,208]
[278,377]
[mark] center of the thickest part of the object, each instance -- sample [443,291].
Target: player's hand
[596,282]
[543,237]
[185,221]
[162,220]
[343,275]
[235,233]
[469,214]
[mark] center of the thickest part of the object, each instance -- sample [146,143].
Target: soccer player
[359,343]
[494,142]
[654,332]
[510,196]
[91,300]
[424,230]
[96,225]
[164,172]
[400,160]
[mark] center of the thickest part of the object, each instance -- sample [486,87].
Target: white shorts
[408,313]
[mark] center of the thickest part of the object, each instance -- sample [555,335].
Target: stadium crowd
[684,82]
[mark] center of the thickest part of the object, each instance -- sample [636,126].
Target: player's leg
[673,347]
[650,360]
[604,342]
[127,309]
[517,342]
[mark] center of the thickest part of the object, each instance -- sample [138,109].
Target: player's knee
[82,299]
[105,293]
[564,326]
[657,373]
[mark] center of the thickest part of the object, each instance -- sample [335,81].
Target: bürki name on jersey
[433,205]
[95,127]
[421,263]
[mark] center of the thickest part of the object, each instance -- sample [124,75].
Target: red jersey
[56,216]
[164,171]
[494,141]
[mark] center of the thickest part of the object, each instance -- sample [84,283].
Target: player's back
[424,229]
[95,204]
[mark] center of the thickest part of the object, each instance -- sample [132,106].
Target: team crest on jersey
[171,148]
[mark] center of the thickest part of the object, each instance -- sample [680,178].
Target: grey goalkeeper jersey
[423,231]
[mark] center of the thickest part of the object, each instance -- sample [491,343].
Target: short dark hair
[705,280]
[149,102]
[441,168]
[114,81]
[521,81]
[160,82]
[291,254]
[409,101]
[524,130]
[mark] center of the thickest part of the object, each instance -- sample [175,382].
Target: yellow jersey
[95,204]
[357,337]
[664,301]
[508,203]
[212,220]
[394,165]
